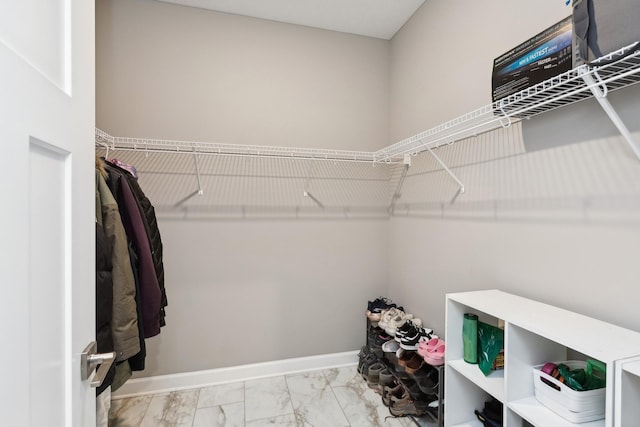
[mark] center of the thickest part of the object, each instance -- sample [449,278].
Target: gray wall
[249,291]
[175,72]
[550,213]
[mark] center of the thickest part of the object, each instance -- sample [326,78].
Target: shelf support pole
[396,194]
[199,191]
[451,174]
[601,96]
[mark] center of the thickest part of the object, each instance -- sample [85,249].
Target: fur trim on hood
[100,167]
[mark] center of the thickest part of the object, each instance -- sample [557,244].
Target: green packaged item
[591,378]
[490,343]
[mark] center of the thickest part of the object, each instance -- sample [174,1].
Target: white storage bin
[574,406]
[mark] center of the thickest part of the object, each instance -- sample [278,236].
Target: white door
[47,278]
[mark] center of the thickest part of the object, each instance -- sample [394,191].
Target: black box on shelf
[541,57]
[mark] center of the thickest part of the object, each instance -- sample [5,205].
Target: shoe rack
[437,414]
[536,333]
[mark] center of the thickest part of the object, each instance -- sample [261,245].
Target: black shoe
[407,329]
[427,379]
[365,362]
[402,330]
[411,340]
[375,307]
[381,339]
[379,304]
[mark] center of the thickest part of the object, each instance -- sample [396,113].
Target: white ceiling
[372,18]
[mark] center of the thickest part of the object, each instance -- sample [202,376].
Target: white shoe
[386,317]
[395,323]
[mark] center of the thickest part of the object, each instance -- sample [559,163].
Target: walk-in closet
[329,205]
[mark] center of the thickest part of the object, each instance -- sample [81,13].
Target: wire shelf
[249,180]
[564,89]
[207,148]
[608,74]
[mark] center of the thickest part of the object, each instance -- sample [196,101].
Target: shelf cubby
[467,395]
[628,387]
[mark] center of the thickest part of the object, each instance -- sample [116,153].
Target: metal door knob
[90,358]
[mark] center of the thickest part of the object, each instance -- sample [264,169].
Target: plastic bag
[592,378]
[490,343]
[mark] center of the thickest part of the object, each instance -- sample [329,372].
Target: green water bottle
[470,338]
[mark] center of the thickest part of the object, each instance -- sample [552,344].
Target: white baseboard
[173,382]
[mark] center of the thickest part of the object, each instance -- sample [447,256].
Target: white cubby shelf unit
[627,407]
[536,333]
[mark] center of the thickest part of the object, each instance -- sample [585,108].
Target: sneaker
[412,388]
[396,322]
[364,364]
[412,341]
[393,320]
[382,338]
[372,335]
[408,329]
[404,329]
[364,352]
[390,356]
[373,374]
[408,406]
[399,374]
[386,379]
[427,379]
[395,393]
[390,346]
[376,307]
[386,316]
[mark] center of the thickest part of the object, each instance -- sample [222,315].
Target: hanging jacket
[137,362]
[124,324]
[151,226]
[150,295]
[104,301]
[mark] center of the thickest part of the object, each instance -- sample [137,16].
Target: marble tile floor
[332,398]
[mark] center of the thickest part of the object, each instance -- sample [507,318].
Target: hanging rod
[556,92]
[236,150]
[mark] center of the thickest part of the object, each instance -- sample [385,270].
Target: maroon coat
[150,294]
